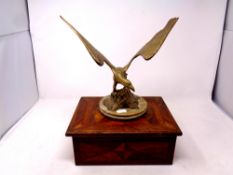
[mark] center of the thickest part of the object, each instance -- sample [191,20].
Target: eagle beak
[131,87]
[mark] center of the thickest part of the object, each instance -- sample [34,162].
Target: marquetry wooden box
[98,140]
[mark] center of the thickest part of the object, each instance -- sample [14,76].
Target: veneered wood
[99,140]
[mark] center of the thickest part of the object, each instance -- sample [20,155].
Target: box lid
[88,121]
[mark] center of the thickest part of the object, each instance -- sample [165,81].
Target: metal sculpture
[122,103]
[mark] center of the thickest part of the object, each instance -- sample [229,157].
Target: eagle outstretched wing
[98,57]
[153,46]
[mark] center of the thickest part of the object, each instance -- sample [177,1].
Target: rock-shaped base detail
[123,105]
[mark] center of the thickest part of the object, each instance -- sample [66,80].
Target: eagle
[147,52]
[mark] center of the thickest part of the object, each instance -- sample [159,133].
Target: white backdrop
[184,66]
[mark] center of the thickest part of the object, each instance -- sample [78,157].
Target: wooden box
[98,140]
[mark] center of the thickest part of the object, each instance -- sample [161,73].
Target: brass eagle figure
[132,105]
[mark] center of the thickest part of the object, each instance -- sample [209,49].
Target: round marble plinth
[123,113]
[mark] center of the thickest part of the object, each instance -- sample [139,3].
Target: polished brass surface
[123,113]
[124,98]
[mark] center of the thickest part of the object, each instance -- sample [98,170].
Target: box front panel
[124,151]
